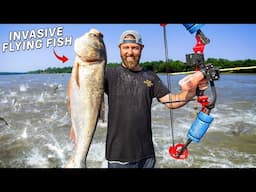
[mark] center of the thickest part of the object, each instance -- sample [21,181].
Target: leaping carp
[86,93]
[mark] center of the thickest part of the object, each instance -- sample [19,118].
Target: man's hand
[192,81]
[203,85]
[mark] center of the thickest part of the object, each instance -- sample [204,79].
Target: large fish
[86,93]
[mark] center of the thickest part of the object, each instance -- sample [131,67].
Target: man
[130,90]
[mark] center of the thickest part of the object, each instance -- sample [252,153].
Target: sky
[29,47]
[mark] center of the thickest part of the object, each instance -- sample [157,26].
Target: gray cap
[137,36]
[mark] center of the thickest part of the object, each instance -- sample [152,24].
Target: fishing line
[168,81]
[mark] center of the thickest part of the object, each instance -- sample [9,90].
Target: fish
[86,93]
[4,121]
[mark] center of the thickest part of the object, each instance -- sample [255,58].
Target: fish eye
[92,35]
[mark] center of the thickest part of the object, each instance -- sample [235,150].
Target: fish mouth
[93,60]
[90,60]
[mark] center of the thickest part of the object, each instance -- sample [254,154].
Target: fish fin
[75,72]
[2,119]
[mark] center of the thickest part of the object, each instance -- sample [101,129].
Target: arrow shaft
[58,57]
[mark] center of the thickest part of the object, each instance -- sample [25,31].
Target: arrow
[63,58]
[221,70]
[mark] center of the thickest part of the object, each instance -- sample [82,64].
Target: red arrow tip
[64,59]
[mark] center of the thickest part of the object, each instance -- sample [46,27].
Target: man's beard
[130,63]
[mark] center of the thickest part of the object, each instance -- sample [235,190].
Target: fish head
[90,47]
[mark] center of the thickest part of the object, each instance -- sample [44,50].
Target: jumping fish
[3,120]
[86,93]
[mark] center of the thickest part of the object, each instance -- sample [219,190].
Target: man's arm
[174,101]
[177,100]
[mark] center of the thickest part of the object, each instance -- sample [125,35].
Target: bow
[203,119]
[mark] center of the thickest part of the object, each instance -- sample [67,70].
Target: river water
[34,106]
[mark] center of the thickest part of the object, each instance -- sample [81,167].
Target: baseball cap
[136,34]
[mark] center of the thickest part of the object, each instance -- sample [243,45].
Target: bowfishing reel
[203,119]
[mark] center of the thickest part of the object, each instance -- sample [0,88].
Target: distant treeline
[171,66]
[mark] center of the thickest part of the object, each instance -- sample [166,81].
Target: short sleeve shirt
[130,95]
